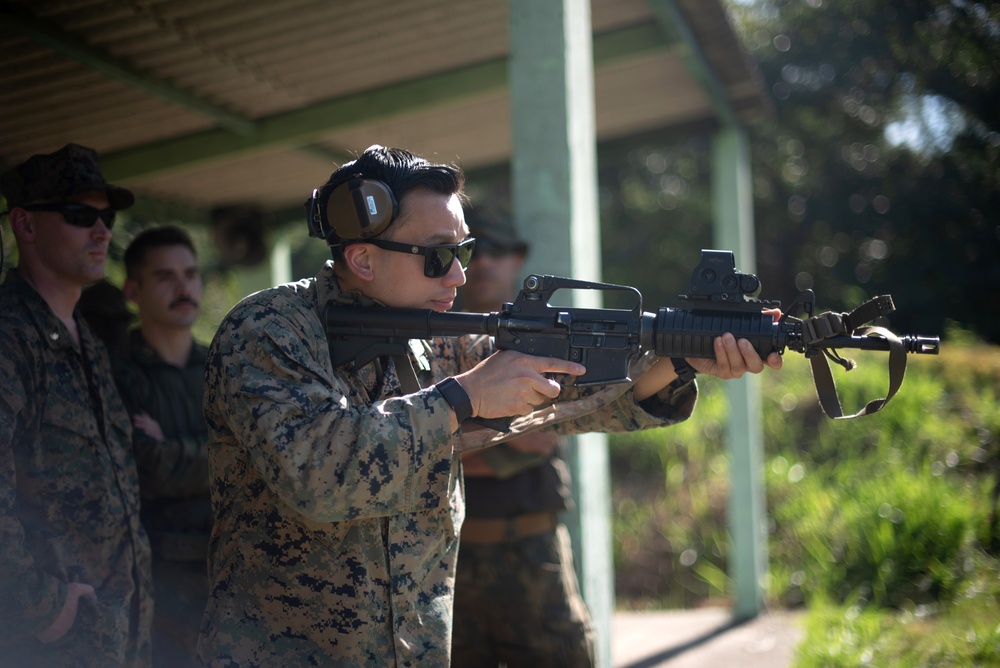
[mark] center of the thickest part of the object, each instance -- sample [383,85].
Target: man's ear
[358,258]
[131,290]
[23,225]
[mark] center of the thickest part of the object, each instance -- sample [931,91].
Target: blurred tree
[880,172]
[656,213]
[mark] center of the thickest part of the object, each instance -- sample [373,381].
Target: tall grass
[877,518]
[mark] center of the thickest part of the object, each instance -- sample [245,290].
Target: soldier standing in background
[161,376]
[516,596]
[74,560]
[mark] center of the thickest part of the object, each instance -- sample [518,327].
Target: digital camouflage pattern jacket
[69,495]
[337,497]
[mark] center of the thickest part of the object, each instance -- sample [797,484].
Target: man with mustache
[161,377]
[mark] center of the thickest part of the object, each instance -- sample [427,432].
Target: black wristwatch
[685,372]
[457,398]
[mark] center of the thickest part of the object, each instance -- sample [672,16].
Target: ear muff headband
[359,208]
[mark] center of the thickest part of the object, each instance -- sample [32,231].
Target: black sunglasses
[437,259]
[79,215]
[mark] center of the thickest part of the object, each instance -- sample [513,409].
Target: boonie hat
[55,177]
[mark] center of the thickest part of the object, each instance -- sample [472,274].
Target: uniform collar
[328,290]
[53,330]
[147,354]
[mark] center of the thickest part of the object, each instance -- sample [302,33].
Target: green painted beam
[166,210]
[303,126]
[673,22]
[331,155]
[163,211]
[628,43]
[49,34]
[733,229]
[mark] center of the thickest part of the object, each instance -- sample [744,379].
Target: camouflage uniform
[516,596]
[69,495]
[337,498]
[173,478]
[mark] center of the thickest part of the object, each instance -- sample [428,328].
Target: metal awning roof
[197,104]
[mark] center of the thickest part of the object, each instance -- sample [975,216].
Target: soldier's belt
[476,531]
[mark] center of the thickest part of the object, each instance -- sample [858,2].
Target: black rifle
[605,340]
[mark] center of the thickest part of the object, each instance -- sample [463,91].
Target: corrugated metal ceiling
[213,102]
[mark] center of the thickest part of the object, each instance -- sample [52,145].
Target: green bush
[963,632]
[891,538]
[887,521]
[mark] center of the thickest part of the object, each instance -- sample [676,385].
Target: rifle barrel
[920,345]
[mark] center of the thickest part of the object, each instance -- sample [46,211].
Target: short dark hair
[154,237]
[402,172]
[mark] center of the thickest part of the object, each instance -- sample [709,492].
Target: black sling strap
[830,324]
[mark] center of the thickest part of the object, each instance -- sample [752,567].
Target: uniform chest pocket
[67,423]
[69,454]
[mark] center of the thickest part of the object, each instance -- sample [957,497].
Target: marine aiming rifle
[605,340]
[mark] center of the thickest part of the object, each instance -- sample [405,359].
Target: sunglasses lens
[108,215]
[464,252]
[87,216]
[438,261]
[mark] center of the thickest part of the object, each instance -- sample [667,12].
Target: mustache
[183,300]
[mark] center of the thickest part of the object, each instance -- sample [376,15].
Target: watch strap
[457,398]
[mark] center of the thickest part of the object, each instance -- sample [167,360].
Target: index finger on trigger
[556,365]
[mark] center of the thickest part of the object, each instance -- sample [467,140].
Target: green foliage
[963,632]
[655,203]
[889,538]
[896,510]
[669,546]
[878,172]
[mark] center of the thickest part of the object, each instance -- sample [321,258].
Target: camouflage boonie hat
[494,227]
[55,177]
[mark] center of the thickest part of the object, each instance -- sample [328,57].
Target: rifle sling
[407,377]
[826,389]
[876,307]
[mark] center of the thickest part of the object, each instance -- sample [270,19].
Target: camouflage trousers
[517,604]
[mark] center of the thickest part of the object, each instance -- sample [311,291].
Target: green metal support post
[554,189]
[734,230]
